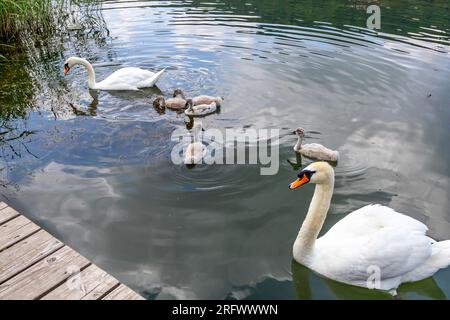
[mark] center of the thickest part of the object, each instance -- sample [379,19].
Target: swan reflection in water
[91,109]
[298,162]
[310,285]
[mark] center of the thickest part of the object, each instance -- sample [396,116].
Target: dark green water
[95,170]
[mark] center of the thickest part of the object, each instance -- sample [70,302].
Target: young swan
[371,239]
[206,100]
[178,93]
[172,103]
[199,110]
[196,150]
[314,150]
[199,100]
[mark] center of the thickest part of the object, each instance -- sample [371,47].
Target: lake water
[95,169]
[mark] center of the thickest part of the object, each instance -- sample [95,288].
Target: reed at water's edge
[17,16]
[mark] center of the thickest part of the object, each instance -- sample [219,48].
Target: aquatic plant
[19,15]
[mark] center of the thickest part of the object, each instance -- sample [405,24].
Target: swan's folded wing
[390,252]
[371,218]
[127,78]
[396,251]
[376,238]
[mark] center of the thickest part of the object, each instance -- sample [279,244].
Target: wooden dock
[34,265]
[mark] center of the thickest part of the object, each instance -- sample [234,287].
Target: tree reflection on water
[32,81]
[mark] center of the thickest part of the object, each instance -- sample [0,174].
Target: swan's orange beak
[66,68]
[299,182]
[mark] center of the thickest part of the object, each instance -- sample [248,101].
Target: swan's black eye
[307,173]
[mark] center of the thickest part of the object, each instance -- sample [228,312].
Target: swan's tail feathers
[335,156]
[156,77]
[442,254]
[330,155]
[439,259]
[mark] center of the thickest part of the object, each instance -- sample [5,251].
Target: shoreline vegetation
[32,33]
[19,16]
[22,19]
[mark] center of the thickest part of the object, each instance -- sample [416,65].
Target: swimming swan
[313,150]
[203,99]
[196,150]
[178,93]
[373,240]
[199,110]
[171,103]
[123,79]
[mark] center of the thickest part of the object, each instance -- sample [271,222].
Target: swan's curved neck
[298,145]
[90,71]
[317,212]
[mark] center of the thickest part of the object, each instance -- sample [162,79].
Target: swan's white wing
[374,237]
[371,218]
[129,79]
[440,258]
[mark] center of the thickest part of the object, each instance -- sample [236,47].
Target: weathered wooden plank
[14,230]
[40,278]
[7,213]
[26,252]
[35,265]
[122,292]
[90,284]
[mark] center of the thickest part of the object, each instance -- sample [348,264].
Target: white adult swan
[196,150]
[123,79]
[313,150]
[373,240]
